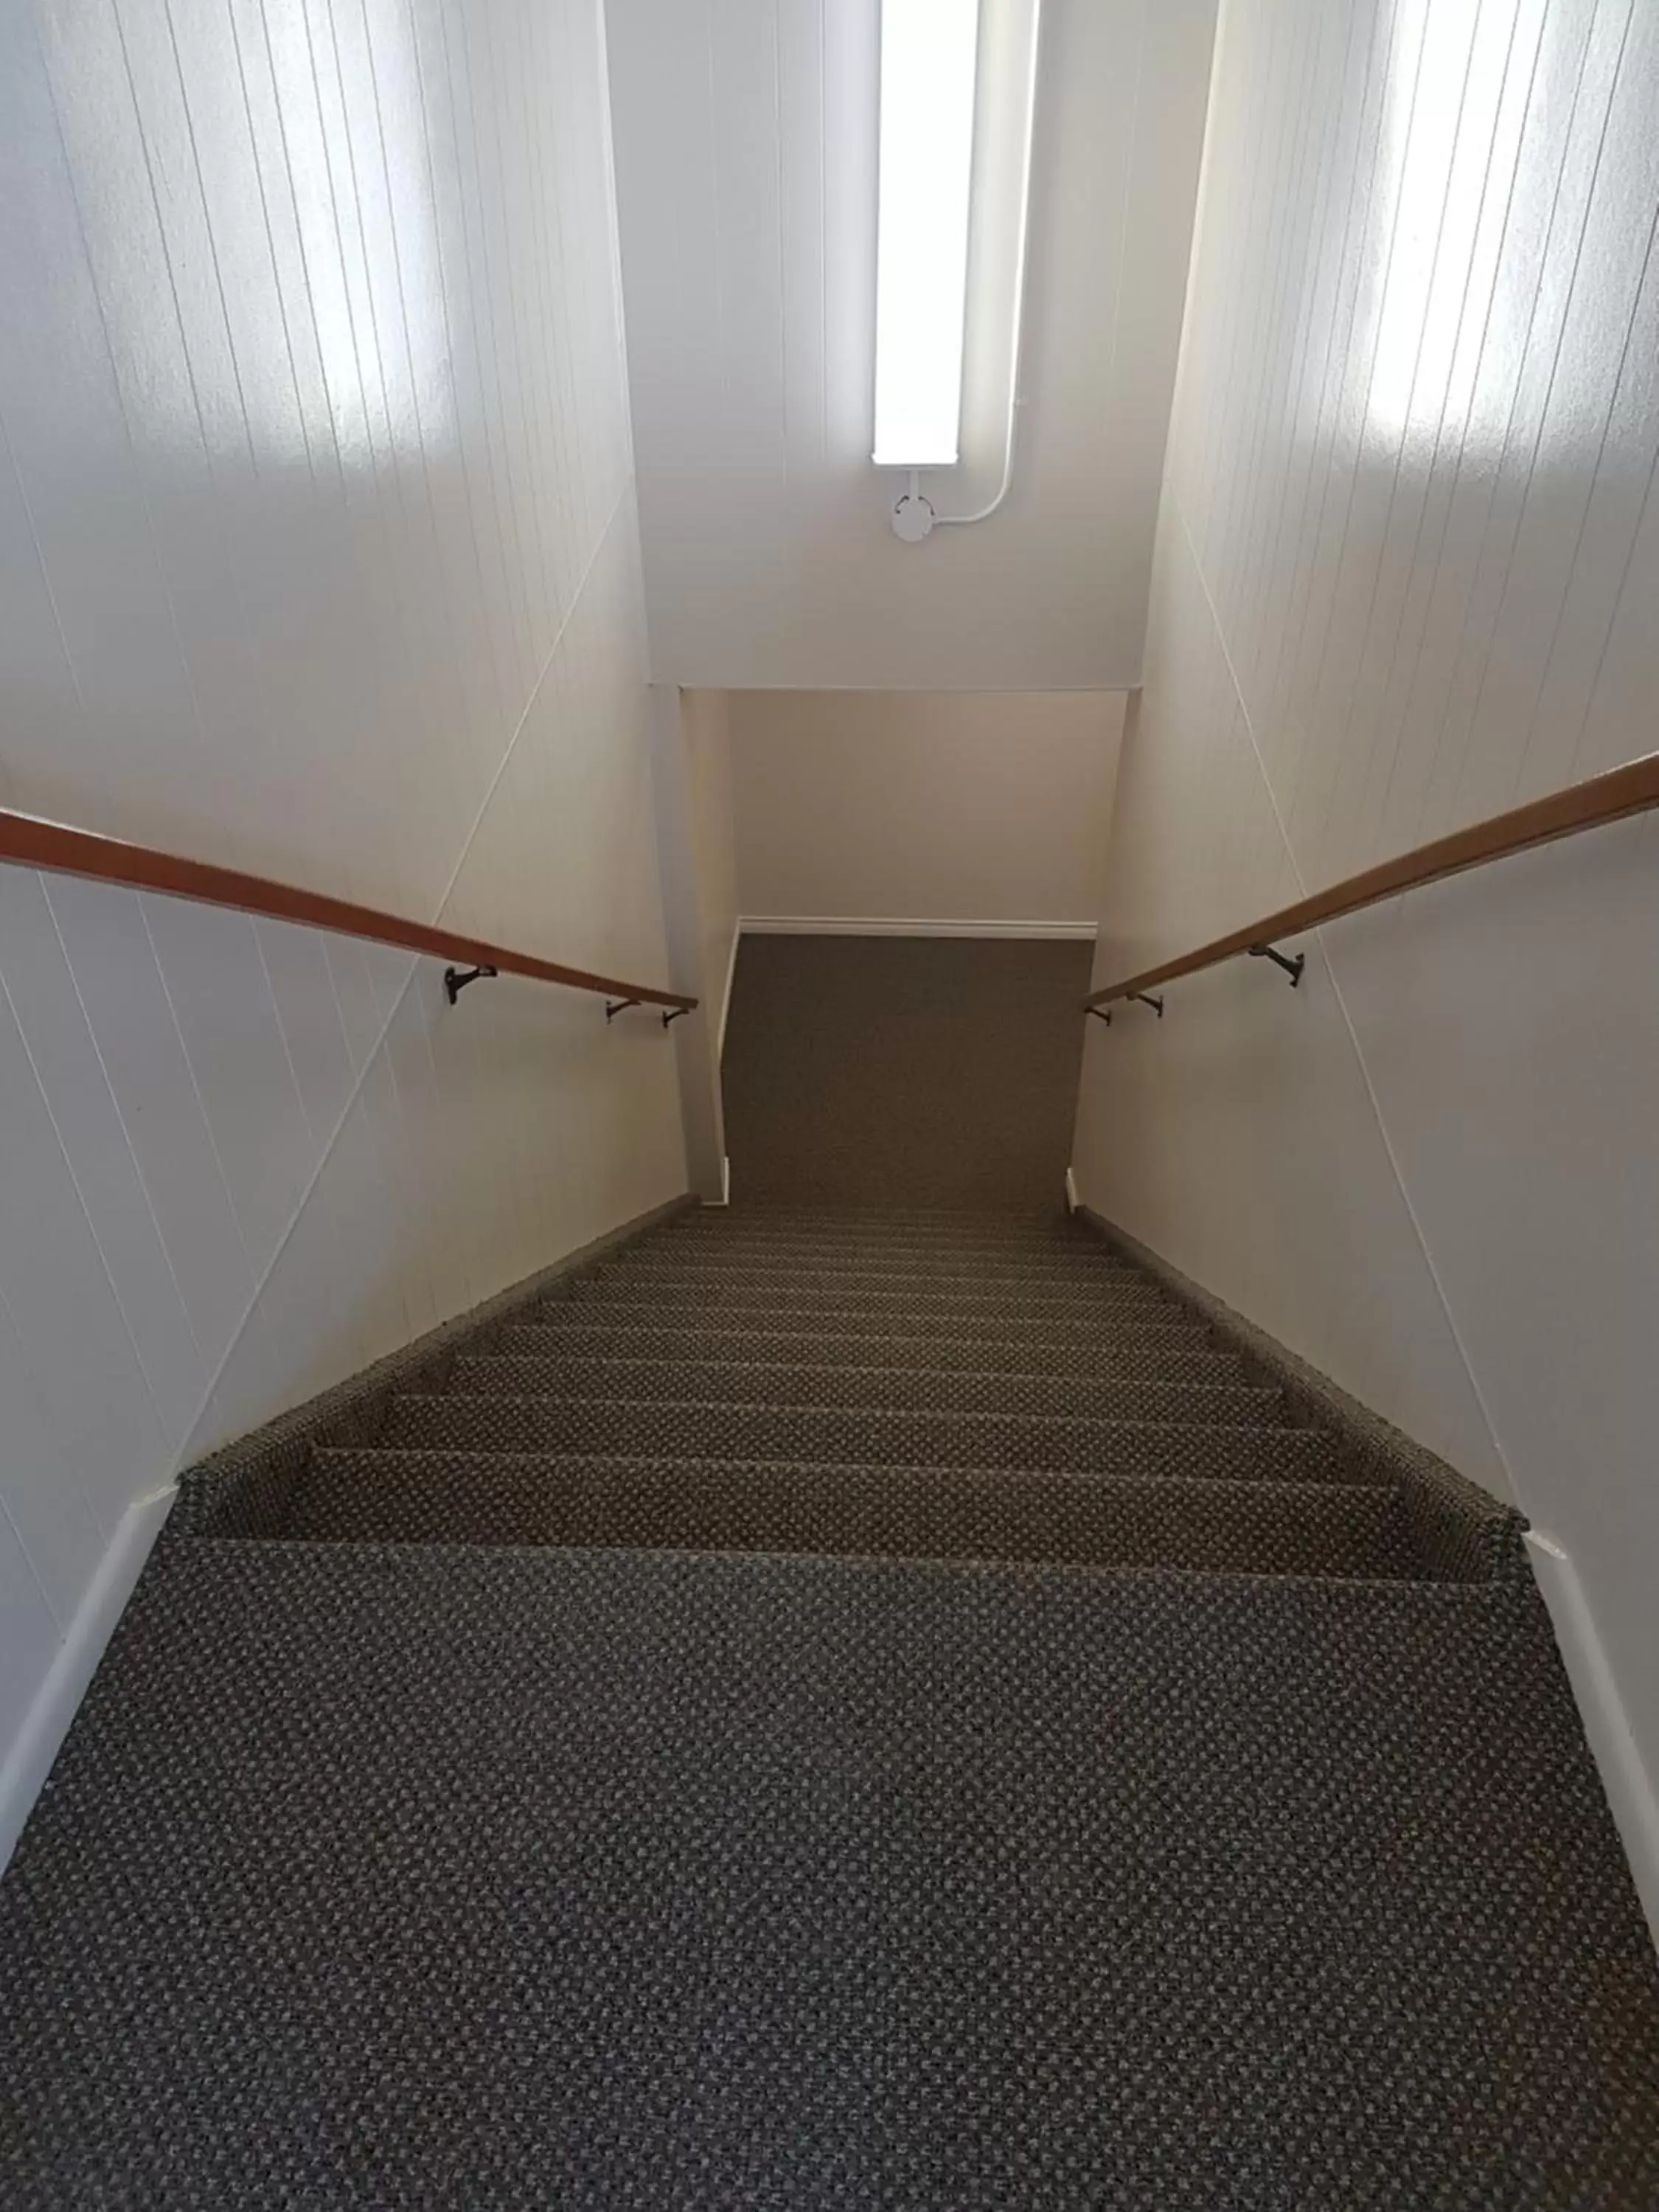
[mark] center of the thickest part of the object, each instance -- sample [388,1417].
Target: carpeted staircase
[825,1712]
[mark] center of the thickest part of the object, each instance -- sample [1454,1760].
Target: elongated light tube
[929,61]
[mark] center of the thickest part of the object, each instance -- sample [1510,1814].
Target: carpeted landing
[904,1071]
[829,1713]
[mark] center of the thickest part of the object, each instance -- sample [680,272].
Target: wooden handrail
[1633,789]
[33,843]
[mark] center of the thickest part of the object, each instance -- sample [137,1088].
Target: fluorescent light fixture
[929,61]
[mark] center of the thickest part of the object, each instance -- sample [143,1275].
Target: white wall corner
[1071,1192]
[726,992]
[38,1741]
[1631,1793]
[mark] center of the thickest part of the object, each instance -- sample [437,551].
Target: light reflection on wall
[312,246]
[355,141]
[1437,311]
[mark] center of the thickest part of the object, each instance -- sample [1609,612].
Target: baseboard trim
[59,1698]
[1631,1795]
[822,925]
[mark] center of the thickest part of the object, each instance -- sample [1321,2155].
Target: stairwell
[898,1710]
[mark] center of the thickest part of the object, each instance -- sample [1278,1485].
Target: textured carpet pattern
[923,1513]
[889,1389]
[920,1271]
[1011,1328]
[1454,1517]
[702,1429]
[781,1291]
[849,1060]
[474,1879]
[911,1712]
[1174,1352]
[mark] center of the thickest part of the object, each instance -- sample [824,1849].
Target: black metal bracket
[1147,1000]
[1100,1014]
[1292,966]
[615,1007]
[457,979]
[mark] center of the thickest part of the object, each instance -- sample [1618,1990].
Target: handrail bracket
[1614,796]
[27,840]
[457,979]
[615,1007]
[1292,965]
[1147,999]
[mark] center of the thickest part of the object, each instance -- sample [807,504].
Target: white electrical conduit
[1015,399]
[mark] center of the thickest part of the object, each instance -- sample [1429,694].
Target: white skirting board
[820,925]
[60,1695]
[1624,1777]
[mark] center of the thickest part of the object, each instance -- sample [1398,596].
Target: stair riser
[1094,1332]
[1159,1351]
[1114,1400]
[974,1231]
[1011,1251]
[704,1431]
[1083,1272]
[863,1512]
[792,1294]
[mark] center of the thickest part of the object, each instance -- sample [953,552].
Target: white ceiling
[745,134]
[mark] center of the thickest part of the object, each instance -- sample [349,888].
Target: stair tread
[721,1263]
[696,1428]
[706,1505]
[1174,1350]
[631,1841]
[736,1226]
[794,1287]
[901,1389]
[764,1315]
[755,1312]
[1031,1244]
[1060,1478]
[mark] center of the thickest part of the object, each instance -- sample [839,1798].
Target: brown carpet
[904,1071]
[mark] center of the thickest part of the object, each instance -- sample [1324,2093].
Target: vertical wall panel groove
[1407,573]
[318,554]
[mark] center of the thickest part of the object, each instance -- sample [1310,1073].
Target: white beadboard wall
[318,554]
[746,174]
[1408,574]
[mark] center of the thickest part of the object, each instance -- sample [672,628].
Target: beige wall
[932,806]
[1407,575]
